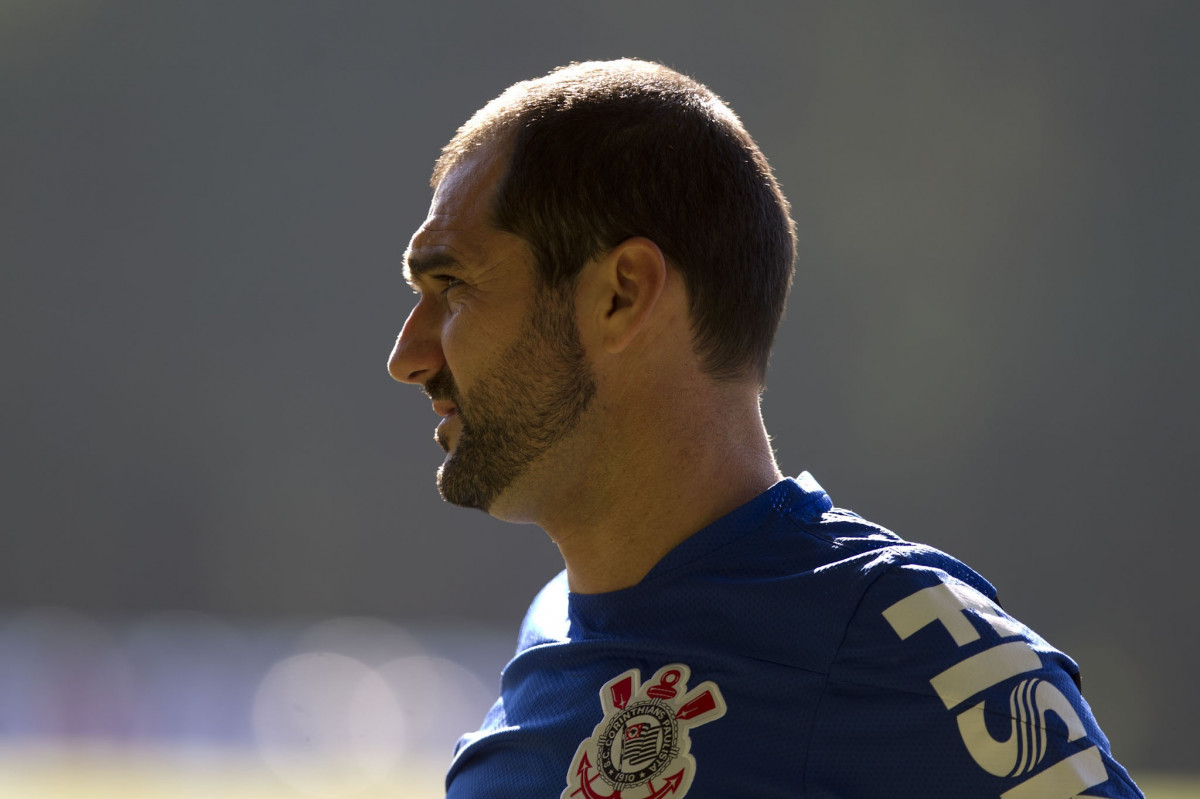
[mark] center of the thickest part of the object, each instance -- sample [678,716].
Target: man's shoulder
[787,596]
[931,664]
[829,588]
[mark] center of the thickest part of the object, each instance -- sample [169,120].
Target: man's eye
[448,282]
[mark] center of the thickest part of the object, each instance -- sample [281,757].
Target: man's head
[602,187]
[600,152]
[500,358]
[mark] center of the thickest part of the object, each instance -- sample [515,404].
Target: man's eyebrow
[417,265]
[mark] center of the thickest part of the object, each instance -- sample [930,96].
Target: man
[599,282]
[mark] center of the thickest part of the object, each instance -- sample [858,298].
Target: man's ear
[627,284]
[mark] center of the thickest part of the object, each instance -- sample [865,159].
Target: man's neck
[667,484]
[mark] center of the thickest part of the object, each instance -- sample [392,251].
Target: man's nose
[417,355]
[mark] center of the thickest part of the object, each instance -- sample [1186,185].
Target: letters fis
[1029,701]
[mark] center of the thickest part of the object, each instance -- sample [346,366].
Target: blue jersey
[789,649]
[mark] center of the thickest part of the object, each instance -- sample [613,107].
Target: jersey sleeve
[936,691]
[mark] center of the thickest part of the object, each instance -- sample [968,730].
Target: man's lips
[448,411]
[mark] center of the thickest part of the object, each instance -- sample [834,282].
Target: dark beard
[537,393]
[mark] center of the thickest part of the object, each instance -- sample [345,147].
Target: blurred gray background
[991,345]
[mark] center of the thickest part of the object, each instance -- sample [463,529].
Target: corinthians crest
[639,750]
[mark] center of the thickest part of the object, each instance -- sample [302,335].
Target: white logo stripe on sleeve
[1029,702]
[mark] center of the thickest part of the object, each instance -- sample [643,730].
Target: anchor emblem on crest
[640,748]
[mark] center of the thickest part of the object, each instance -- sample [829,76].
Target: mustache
[442,387]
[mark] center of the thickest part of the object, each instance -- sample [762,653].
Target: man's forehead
[467,188]
[459,216]
[443,241]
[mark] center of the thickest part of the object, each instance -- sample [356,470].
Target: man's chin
[459,489]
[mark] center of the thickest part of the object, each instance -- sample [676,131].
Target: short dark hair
[600,152]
